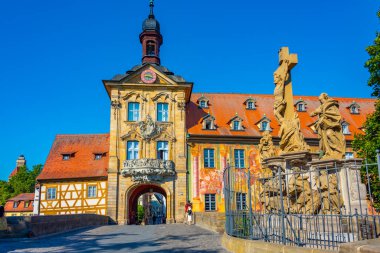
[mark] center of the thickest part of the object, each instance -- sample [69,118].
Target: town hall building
[165,139]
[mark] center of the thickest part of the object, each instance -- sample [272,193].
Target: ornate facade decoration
[328,126]
[148,170]
[149,129]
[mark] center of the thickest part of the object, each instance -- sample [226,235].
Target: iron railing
[315,207]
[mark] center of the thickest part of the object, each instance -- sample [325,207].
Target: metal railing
[315,207]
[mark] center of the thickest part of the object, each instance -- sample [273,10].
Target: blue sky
[54,54]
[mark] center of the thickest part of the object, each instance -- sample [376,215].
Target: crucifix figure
[291,138]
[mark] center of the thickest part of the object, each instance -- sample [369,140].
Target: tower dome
[151,24]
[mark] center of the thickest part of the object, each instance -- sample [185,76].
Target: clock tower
[147,149]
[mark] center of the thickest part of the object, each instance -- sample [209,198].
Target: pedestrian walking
[189,215]
[187,206]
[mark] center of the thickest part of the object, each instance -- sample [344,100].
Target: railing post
[282,206]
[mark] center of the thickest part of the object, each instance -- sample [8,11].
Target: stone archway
[136,191]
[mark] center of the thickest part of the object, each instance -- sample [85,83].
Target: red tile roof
[21,199]
[225,106]
[82,164]
[14,172]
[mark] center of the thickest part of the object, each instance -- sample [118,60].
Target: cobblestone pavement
[158,238]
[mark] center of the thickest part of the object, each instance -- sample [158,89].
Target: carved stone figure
[302,198]
[266,147]
[149,128]
[332,141]
[292,139]
[332,200]
[270,192]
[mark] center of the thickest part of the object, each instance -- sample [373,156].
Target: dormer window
[66,157]
[208,122]
[203,102]
[354,108]
[300,105]
[98,156]
[250,103]
[264,124]
[236,123]
[345,128]
[15,204]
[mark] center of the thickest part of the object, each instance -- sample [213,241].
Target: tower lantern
[151,38]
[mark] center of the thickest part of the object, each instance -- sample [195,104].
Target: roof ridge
[294,95]
[64,135]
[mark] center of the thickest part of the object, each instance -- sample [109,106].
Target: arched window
[150,48]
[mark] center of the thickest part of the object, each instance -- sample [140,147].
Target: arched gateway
[136,191]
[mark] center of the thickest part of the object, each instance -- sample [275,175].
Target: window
[98,156]
[236,125]
[345,128]
[301,107]
[150,48]
[26,204]
[354,109]
[15,204]
[250,105]
[66,157]
[162,150]
[132,150]
[91,191]
[210,204]
[239,158]
[203,104]
[133,111]
[162,112]
[51,193]
[209,158]
[241,201]
[264,126]
[349,155]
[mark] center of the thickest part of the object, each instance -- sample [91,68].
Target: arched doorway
[133,198]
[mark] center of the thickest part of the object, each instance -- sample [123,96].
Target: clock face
[148,76]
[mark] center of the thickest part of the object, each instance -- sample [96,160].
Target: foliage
[23,182]
[140,213]
[373,64]
[366,144]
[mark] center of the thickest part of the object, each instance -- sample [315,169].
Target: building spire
[151,5]
[151,38]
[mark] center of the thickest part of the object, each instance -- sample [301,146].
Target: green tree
[373,64]
[366,144]
[23,182]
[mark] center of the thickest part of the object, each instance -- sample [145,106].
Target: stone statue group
[293,183]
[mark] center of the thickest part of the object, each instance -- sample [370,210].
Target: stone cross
[291,60]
